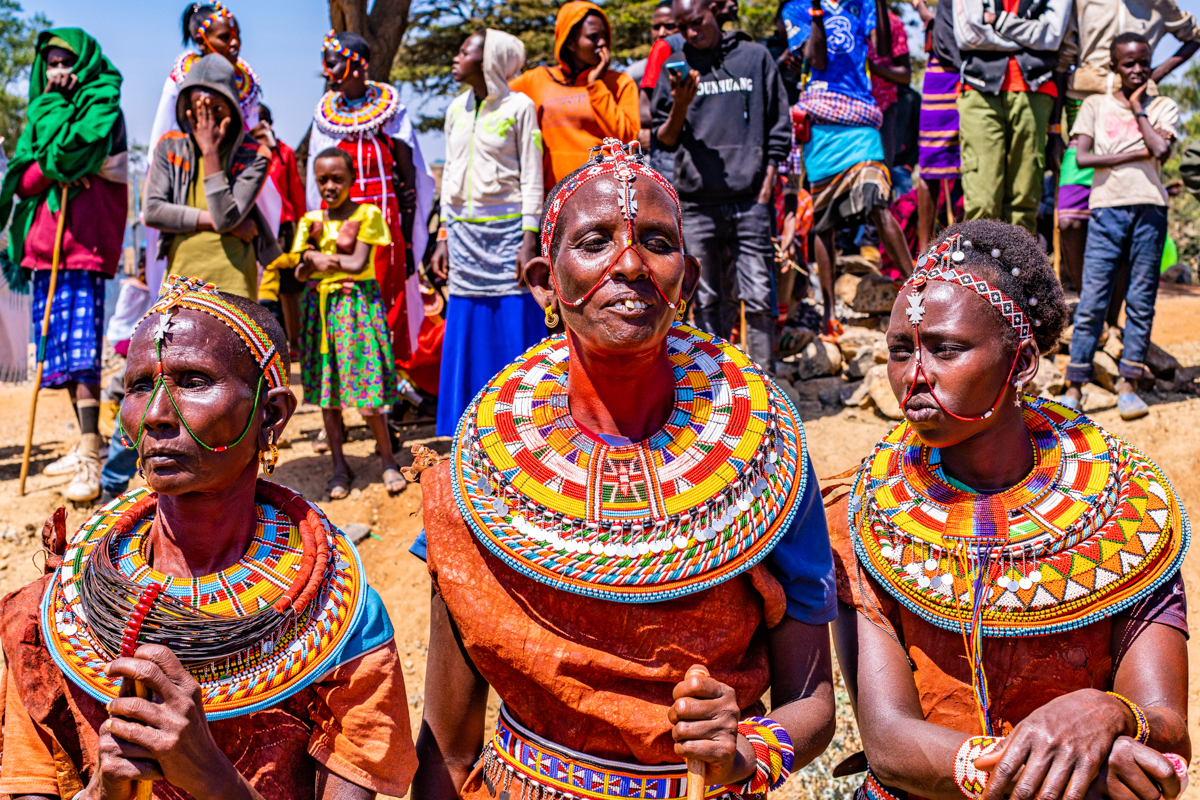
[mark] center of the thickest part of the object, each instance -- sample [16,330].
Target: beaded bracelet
[1054,130]
[773,752]
[970,779]
[1143,728]
[816,12]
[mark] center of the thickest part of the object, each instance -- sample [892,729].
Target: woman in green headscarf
[74,136]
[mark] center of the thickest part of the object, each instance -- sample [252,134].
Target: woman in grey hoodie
[203,183]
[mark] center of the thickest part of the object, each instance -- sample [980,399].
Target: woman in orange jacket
[581,101]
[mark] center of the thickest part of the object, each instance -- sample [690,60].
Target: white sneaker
[85,486]
[66,465]
[69,463]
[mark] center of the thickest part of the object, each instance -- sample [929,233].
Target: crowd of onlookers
[795,150]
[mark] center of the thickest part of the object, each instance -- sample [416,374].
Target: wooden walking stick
[41,351]
[695,767]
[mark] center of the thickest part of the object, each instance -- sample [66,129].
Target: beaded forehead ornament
[331,44]
[624,162]
[195,294]
[938,265]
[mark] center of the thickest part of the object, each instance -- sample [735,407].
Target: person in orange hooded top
[581,101]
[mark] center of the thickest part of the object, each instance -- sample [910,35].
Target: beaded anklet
[1142,735]
[774,752]
[970,779]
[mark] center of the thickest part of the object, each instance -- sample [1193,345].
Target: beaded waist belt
[543,770]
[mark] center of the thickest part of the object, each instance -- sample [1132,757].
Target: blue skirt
[76,335]
[483,334]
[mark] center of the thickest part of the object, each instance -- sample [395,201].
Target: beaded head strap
[331,44]
[218,12]
[196,295]
[624,162]
[938,265]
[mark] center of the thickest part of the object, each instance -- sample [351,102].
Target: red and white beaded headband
[195,294]
[938,265]
[625,163]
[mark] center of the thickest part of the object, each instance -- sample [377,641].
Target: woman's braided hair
[1020,269]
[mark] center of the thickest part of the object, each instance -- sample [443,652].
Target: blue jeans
[121,464]
[1133,234]
[737,262]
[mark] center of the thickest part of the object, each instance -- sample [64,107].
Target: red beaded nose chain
[623,162]
[916,312]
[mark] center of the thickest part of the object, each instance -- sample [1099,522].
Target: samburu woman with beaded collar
[622,503]
[1012,616]
[269,661]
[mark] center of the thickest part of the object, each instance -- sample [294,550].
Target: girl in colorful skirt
[346,346]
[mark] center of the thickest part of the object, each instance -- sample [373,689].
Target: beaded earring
[268,461]
[682,309]
[551,316]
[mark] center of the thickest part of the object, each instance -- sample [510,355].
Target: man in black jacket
[720,106]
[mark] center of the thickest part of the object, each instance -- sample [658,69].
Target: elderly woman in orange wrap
[630,570]
[1013,620]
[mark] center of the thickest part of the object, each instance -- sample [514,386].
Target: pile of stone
[822,378]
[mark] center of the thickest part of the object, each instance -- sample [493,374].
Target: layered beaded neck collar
[696,503]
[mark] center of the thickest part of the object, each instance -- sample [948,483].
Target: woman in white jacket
[491,203]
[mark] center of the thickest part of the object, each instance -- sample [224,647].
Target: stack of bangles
[774,752]
[1142,733]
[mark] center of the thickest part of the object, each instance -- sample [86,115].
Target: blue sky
[281,40]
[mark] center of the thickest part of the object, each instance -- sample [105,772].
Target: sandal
[321,443]
[393,481]
[338,487]
[792,340]
[833,331]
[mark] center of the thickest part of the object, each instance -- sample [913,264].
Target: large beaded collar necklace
[1094,528]
[336,117]
[698,502]
[251,635]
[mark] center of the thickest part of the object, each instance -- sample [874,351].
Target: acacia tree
[17,39]
[383,26]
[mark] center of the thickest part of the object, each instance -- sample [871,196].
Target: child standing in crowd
[581,101]
[202,185]
[1125,141]
[346,348]
[491,201]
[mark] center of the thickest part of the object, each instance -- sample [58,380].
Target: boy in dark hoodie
[203,184]
[727,122]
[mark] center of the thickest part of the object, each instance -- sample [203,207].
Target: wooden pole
[1057,248]
[143,790]
[695,767]
[41,352]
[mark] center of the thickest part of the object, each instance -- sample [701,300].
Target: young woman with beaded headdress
[626,543]
[1012,616]
[211,632]
[367,120]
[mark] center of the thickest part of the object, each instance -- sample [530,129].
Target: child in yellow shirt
[346,352]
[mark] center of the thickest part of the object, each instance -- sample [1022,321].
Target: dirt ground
[836,443]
